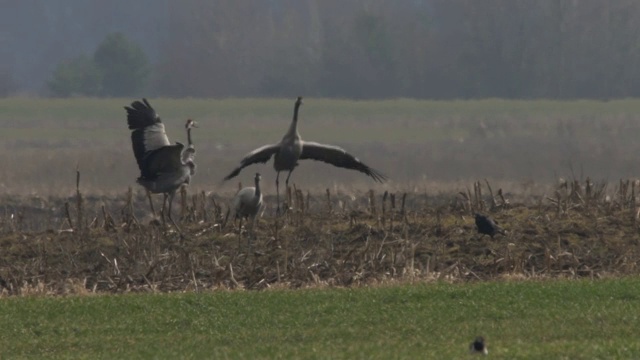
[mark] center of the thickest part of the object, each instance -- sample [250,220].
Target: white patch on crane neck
[155,137]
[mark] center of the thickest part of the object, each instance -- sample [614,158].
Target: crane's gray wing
[164,160]
[148,131]
[339,157]
[259,155]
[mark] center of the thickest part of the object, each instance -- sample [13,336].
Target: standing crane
[291,148]
[246,204]
[164,168]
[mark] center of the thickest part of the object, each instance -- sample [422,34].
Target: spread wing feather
[148,131]
[339,157]
[259,155]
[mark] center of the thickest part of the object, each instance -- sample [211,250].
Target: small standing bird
[291,148]
[164,168]
[246,204]
[478,346]
[487,226]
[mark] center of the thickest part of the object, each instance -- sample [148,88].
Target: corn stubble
[86,244]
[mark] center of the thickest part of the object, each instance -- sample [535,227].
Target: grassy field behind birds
[246,120]
[431,144]
[580,319]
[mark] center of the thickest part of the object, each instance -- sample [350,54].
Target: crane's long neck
[189,137]
[257,194]
[293,129]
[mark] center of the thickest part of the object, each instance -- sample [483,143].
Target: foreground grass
[554,319]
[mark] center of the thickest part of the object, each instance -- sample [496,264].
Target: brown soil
[583,230]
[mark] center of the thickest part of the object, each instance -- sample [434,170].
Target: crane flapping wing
[148,131]
[141,114]
[164,160]
[259,155]
[337,156]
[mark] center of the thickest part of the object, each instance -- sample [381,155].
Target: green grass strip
[546,319]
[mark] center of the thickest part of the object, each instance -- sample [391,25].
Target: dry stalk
[392,199]
[503,201]
[632,203]
[372,203]
[298,205]
[232,277]
[493,199]
[402,209]
[477,188]
[108,222]
[193,211]
[203,206]
[130,219]
[632,198]
[79,202]
[68,214]
[286,255]
[465,201]
[384,208]
[330,210]
[295,201]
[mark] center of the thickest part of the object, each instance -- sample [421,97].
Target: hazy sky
[35,35]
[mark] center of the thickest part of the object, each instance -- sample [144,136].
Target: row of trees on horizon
[435,49]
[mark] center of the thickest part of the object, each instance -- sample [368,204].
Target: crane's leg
[163,211]
[286,187]
[171,195]
[254,220]
[164,202]
[278,193]
[239,233]
[153,211]
[249,234]
[288,176]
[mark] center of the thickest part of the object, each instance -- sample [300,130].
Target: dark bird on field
[164,168]
[246,204]
[291,148]
[478,346]
[487,226]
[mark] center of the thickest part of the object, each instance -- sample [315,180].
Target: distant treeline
[438,49]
